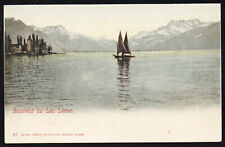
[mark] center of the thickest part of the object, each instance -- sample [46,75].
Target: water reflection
[43,82]
[123,85]
[26,79]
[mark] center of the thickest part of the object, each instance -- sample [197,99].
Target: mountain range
[179,35]
[176,35]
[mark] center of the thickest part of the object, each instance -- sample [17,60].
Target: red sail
[120,45]
[126,44]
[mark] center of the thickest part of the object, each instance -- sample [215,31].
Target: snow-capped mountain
[147,39]
[52,29]
[59,30]
[77,42]
[172,28]
[205,37]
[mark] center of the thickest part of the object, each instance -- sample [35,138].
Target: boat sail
[123,47]
[120,45]
[126,44]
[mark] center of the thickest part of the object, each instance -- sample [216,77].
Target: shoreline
[23,54]
[139,51]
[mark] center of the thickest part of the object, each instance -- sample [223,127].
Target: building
[29,45]
[8,43]
[34,46]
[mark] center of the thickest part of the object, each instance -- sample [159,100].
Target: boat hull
[124,56]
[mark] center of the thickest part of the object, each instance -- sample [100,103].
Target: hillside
[17,27]
[199,38]
[167,37]
[77,42]
[57,36]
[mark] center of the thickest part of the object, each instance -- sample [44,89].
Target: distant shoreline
[140,51]
[57,53]
[21,54]
[155,51]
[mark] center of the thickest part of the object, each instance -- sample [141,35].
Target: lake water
[161,80]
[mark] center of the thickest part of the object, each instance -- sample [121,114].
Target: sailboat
[123,49]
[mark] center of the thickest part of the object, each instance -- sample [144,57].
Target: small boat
[122,56]
[123,49]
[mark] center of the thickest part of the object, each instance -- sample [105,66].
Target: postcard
[112,73]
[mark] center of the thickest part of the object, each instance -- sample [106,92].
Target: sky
[107,20]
